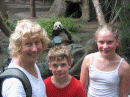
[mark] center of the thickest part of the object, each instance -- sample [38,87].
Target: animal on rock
[59,30]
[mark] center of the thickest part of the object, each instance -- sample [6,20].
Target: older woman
[26,45]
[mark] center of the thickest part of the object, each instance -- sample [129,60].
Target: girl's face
[31,49]
[60,68]
[107,43]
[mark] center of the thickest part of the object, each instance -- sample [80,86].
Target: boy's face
[60,68]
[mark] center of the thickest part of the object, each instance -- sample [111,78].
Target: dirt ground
[20,11]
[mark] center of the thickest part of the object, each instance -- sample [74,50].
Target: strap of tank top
[120,63]
[91,59]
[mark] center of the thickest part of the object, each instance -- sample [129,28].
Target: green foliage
[47,25]
[11,24]
[67,23]
[125,21]
[5,52]
[125,38]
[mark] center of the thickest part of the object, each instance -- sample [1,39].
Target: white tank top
[103,84]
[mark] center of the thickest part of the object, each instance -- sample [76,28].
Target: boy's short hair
[24,28]
[59,53]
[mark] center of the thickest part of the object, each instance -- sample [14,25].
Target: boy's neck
[61,82]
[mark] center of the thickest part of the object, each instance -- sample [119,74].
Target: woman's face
[106,43]
[31,49]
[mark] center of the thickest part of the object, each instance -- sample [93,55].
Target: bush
[11,24]
[125,34]
[125,38]
[67,23]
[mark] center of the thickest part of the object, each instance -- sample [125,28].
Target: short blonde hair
[59,53]
[23,28]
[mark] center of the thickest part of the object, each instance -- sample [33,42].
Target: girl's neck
[110,57]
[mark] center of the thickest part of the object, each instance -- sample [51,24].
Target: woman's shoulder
[12,81]
[13,86]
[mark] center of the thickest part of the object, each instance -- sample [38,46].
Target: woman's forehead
[27,39]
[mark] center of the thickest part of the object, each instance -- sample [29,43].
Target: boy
[61,83]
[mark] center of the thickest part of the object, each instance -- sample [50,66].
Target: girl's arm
[125,79]
[84,75]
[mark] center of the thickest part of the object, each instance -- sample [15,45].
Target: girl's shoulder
[125,65]
[124,68]
[89,58]
[92,55]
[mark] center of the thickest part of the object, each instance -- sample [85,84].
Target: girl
[105,73]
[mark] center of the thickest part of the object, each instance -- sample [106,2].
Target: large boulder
[74,1]
[77,52]
[0,49]
[91,46]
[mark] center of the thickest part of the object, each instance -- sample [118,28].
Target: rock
[74,1]
[91,46]
[76,39]
[77,52]
[44,69]
[0,49]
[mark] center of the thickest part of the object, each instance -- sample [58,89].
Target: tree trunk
[58,8]
[3,10]
[85,10]
[100,15]
[32,9]
[4,27]
[115,17]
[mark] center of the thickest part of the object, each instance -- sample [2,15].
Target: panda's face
[58,25]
